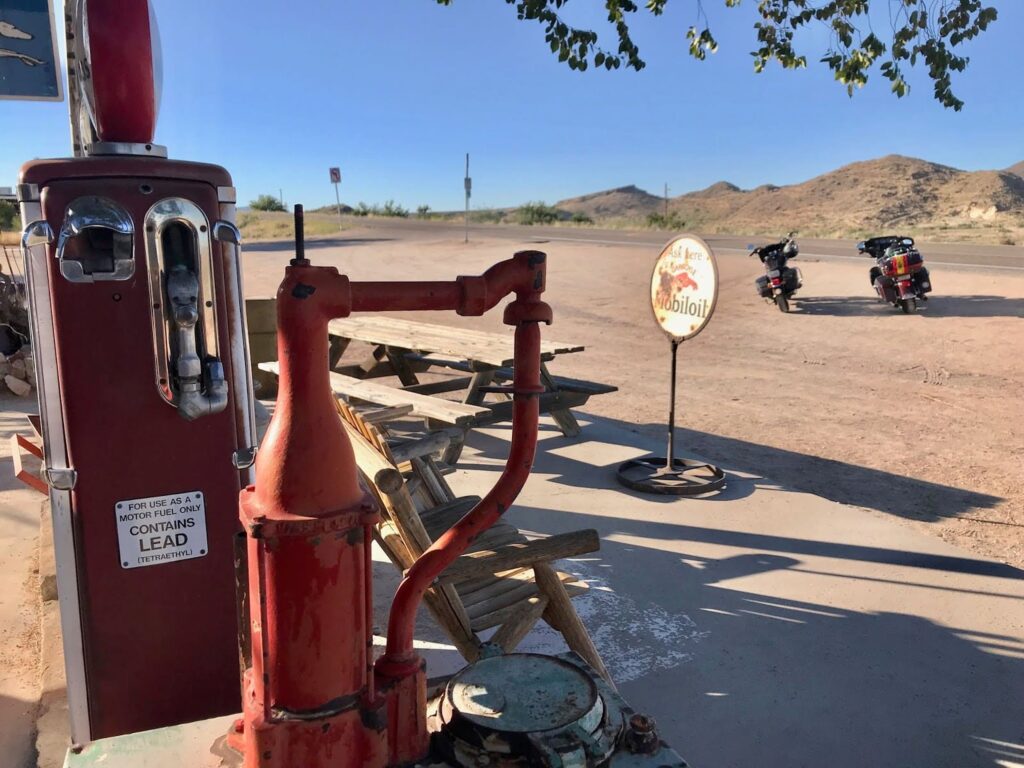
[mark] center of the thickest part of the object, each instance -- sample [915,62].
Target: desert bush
[391,208]
[266,203]
[661,221]
[423,211]
[536,213]
[579,217]
[8,215]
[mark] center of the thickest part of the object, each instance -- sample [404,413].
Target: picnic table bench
[408,348]
[404,348]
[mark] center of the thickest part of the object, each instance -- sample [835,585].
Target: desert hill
[1017,169]
[857,199]
[620,202]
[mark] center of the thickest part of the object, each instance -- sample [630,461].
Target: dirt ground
[914,416]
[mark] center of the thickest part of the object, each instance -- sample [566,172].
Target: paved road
[952,255]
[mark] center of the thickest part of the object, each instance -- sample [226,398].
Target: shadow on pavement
[893,494]
[936,306]
[287,246]
[776,681]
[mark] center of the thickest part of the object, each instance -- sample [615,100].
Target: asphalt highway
[951,255]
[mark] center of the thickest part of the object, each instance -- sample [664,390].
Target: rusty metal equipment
[138,330]
[312,695]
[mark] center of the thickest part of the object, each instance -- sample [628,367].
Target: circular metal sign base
[686,477]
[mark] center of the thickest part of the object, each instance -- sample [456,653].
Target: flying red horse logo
[685,281]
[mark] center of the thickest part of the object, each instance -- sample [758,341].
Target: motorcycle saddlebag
[886,288]
[764,290]
[793,279]
[923,280]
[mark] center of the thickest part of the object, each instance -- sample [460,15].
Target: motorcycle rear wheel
[782,302]
[909,306]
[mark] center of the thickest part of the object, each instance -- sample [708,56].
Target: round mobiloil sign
[684,287]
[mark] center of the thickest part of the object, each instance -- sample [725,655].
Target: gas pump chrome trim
[162,213]
[51,418]
[38,232]
[94,212]
[227,232]
[125,148]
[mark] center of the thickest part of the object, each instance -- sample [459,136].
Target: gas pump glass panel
[181,290]
[96,242]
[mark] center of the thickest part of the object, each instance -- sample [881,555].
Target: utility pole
[280,197]
[666,201]
[468,182]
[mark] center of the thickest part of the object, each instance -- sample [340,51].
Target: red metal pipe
[455,541]
[311,695]
[382,297]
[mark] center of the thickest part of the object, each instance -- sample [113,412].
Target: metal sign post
[336,180]
[684,291]
[468,183]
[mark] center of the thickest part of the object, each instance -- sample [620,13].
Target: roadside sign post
[684,290]
[336,180]
[468,183]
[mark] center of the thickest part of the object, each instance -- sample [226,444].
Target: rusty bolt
[642,734]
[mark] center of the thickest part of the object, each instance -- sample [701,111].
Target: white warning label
[161,529]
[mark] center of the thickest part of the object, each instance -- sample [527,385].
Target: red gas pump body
[158,637]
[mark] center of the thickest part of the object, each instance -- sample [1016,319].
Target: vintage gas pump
[139,335]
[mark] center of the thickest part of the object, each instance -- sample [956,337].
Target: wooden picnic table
[404,348]
[408,348]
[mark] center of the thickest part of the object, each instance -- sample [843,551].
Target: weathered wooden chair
[505,580]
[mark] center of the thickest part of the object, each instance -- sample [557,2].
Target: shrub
[267,203]
[536,213]
[579,217]
[391,208]
[8,215]
[661,221]
[423,211]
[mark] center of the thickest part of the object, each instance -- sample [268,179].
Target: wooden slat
[489,348]
[505,374]
[501,615]
[562,616]
[423,406]
[425,446]
[512,591]
[518,626]
[492,560]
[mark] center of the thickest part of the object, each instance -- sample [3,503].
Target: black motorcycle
[899,276]
[779,281]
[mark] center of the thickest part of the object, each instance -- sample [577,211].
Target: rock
[18,369]
[17,386]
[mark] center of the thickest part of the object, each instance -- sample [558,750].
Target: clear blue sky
[396,91]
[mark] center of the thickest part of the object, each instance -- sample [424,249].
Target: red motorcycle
[899,276]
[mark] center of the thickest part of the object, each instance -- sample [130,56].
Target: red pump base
[312,696]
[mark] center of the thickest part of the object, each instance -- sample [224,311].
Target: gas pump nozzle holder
[313,696]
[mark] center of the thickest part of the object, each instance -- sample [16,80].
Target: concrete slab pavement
[20,510]
[763,626]
[768,627]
